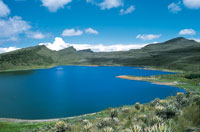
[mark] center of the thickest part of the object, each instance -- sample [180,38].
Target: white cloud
[4,10]
[36,35]
[193,4]
[187,32]
[127,11]
[54,5]
[107,4]
[10,28]
[13,26]
[3,50]
[72,32]
[91,31]
[59,44]
[174,8]
[148,36]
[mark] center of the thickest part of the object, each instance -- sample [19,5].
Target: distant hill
[86,51]
[176,43]
[178,53]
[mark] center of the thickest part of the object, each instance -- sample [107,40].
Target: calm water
[65,91]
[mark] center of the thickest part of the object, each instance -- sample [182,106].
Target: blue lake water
[65,91]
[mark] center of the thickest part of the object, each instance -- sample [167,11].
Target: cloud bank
[3,50]
[59,44]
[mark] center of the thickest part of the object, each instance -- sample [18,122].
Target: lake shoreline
[148,79]
[44,120]
[40,68]
[52,66]
[156,69]
[28,69]
[137,78]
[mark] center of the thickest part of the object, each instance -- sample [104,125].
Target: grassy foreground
[179,113]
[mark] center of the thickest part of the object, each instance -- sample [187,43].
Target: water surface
[65,91]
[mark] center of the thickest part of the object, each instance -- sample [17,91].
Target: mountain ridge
[178,53]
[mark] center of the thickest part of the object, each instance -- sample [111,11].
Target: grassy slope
[19,127]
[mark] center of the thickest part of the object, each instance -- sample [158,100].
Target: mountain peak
[68,50]
[176,40]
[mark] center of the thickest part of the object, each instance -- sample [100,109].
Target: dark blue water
[65,91]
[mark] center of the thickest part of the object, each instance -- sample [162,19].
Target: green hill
[178,53]
[26,58]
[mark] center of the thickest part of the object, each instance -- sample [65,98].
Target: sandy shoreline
[155,69]
[149,79]
[145,68]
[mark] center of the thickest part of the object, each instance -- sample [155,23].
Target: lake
[65,91]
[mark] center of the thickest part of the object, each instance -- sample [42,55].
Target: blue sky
[25,23]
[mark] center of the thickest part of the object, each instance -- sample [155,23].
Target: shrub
[155,102]
[126,110]
[137,106]
[105,122]
[159,128]
[108,129]
[87,127]
[61,126]
[155,120]
[135,128]
[113,113]
[168,112]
